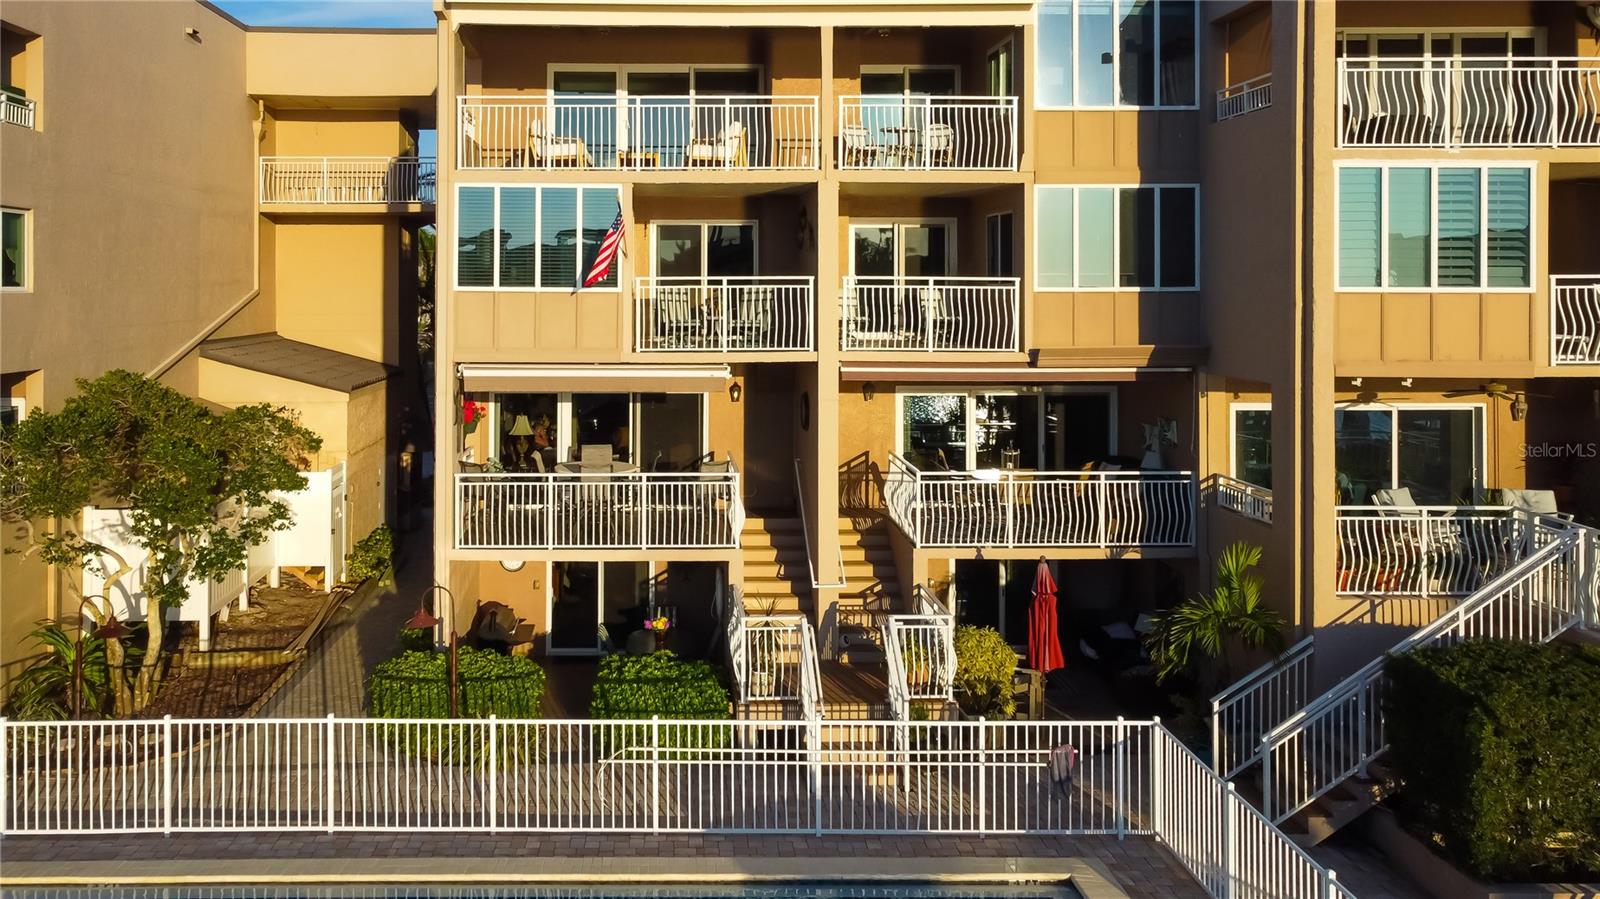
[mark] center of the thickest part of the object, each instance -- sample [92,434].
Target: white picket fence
[930,314]
[1041,508]
[1469,102]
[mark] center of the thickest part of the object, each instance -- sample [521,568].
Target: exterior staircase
[776,578]
[1313,764]
[873,586]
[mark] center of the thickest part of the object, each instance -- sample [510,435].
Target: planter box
[1442,879]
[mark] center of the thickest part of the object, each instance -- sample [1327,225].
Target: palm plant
[43,692]
[1232,614]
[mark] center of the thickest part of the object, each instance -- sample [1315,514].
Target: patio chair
[857,147]
[546,149]
[726,150]
[1539,502]
[594,457]
[943,323]
[939,144]
[752,319]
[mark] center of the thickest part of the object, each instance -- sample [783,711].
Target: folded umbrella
[1044,640]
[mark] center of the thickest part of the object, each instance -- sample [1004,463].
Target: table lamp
[522,429]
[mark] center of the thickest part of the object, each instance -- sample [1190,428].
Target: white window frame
[1039,190]
[1233,438]
[1434,167]
[562,438]
[705,226]
[1480,423]
[1040,53]
[970,393]
[19,405]
[1428,35]
[951,244]
[538,224]
[27,250]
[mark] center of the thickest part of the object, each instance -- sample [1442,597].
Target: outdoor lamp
[1519,407]
[735,391]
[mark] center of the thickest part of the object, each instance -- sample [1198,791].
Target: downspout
[258,127]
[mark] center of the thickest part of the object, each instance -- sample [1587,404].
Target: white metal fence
[646,510]
[1427,550]
[930,314]
[774,659]
[1469,102]
[1041,508]
[1340,732]
[1574,319]
[1255,704]
[920,651]
[321,180]
[759,313]
[1245,97]
[896,131]
[637,132]
[15,110]
[1241,497]
[648,776]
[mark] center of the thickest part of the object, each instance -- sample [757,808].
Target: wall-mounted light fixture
[1519,407]
[1406,382]
[192,33]
[513,565]
[735,391]
[868,391]
[1355,382]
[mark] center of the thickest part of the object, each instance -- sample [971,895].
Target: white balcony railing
[321,180]
[1427,550]
[1256,703]
[930,314]
[1245,97]
[638,133]
[894,131]
[1575,319]
[15,110]
[920,650]
[1241,497]
[1111,509]
[598,511]
[1469,102]
[760,313]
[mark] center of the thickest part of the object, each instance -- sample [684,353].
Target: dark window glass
[1136,52]
[475,239]
[1177,237]
[1252,447]
[1363,452]
[1137,265]
[1176,85]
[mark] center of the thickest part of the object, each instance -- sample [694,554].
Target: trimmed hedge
[985,666]
[417,685]
[660,684]
[371,557]
[1498,744]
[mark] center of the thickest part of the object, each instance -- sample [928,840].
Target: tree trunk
[155,619]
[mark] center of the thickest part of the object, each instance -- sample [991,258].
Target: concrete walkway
[333,678]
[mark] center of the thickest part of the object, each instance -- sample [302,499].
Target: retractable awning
[510,378]
[996,374]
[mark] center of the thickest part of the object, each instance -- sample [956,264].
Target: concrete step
[772,525]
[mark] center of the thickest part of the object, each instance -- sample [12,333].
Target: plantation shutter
[1509,252]
[1410,227]
[475,237]
[1360,195]
[1460,228]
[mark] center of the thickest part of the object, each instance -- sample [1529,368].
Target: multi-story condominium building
[230,209]
[913,295]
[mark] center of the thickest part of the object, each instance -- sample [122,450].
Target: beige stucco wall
[341,132]
[338,283]
[364,65]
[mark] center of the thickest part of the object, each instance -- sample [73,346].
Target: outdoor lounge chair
[594,457]
[726,150]
[939,144]
[554,150]
[857,147]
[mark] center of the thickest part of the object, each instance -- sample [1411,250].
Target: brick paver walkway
[1139,866]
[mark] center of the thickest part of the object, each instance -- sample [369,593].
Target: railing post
[1101,486]
[1427,528]
[1361,730]
[1554,103]
[166,774]
[326,194]
[655,773]
[1158,775]
[327,771]
[1011,511]
[491,780]
[1230,840]
[6,769]
[981,772]
[1329,883]
[1119,781]
[1218,763]
[1266,777]
[814,751]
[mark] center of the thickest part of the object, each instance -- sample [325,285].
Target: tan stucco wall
[369,493]
[362,65]
[342,132]
[337,284]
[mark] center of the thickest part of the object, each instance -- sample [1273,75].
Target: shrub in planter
[417,685]
[660,684]
[371,557]
[985,666]
[1496,744]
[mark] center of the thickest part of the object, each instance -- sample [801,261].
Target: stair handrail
[1364,686]
[805,535]
[902,495]
[738,647]
[899,687]
[810,673]
[1245,710]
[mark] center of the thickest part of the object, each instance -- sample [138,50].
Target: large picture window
[14,251]
[1435,452]
[1141,237]
[531,238]
[1117,53]
[968,430]
[1461,227]
[1252,444]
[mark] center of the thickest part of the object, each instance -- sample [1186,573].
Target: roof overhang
[509,378]
[998,374]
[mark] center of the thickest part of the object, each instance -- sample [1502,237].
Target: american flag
[609,246]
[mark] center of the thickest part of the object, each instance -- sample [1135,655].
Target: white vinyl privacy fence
[656,776]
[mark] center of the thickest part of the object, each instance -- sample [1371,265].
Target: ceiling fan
[1497,389]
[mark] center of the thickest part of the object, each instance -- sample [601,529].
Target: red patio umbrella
[1044,639]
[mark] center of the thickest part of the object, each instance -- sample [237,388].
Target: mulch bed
[276,617]
[222,692]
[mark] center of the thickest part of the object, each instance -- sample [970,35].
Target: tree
[1232,614]
[200,488]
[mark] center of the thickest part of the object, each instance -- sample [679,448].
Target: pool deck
[1098,867]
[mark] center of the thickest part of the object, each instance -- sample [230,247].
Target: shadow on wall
[1369,626]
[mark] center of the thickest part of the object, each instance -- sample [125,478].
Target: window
[1465,227]
[902,250]
[999,258]
[12,410]
[1059,430]
[1252,444]
[1117,53]
[1435,452]
[528,238]
[541,432]
[1114,238]
[14,249]
[704,249]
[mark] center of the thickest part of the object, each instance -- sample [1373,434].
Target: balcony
[930,314]
[15,110]
[1245,97]
[581,510]
[1105,509]
[335,180]
[759,313]
[638,133]
[1428,551]
[1469,102]
[1575,320]
[921,133]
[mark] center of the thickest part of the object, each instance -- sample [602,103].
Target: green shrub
[416,685]
[416,639]
[1496,744]
[660,684]
[372,557]
[985,666]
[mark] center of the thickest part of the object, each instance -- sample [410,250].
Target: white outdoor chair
[594,457]
[857,147]
[726,150]
[939,144]
[548,149]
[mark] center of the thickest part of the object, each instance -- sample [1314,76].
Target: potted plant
[472,412]
[658,628]
[1214,626]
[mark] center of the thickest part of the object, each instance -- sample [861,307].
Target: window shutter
[1509,250]
[1460,228]
[1360,193]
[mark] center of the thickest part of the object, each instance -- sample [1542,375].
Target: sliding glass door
[902,250]
[1435,452]
[969,430]
[705,249]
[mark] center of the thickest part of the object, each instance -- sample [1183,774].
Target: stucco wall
[337,283]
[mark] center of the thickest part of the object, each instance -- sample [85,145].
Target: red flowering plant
[471,412]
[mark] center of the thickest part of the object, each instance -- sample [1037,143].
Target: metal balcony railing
[15,110]
[760,313]
[639,510]
[1245,97]
[894,131]
[325,180]
[930,314]
[1575,319]
[1469,102]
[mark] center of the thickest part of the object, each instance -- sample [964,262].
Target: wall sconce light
[868,391]
[1407,382]
[1355,382]
[735,391]
[1519,408]
[192,33]
[513,565]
